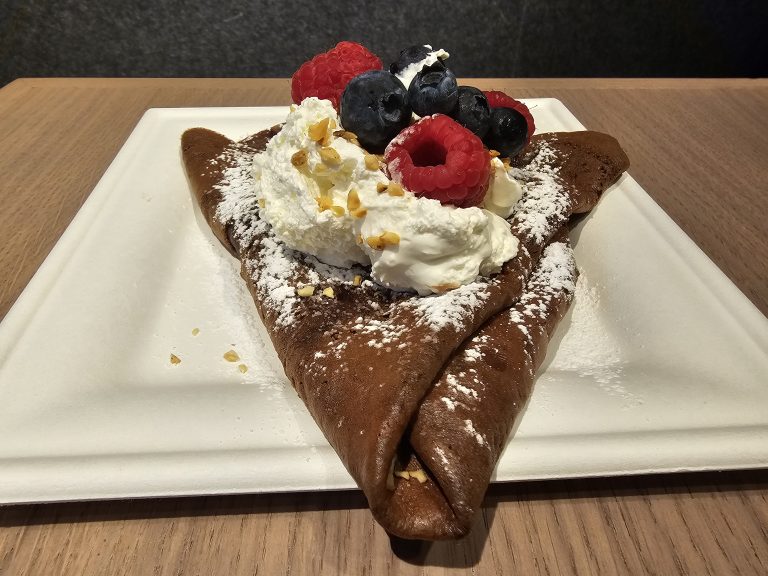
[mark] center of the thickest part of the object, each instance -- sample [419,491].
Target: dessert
[410,296]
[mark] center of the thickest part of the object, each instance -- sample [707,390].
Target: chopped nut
[375,242]
[324,203]
[328,292]
[337,210]
[307,290]
[359,213]
[357,280]
[299,158]
[420,475]
[394,189]
[243,368]
[445,287]
[318,130]
[390,238]
[175,359]
[231,356]
[353,200]
[494,153]
[371,162]
[348,136]
[381,187]
[330,156]
[195,331]
[262,202]
[404,474]
[383,240]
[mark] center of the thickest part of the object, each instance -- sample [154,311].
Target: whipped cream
[407,74]
[503,192]
[308,207]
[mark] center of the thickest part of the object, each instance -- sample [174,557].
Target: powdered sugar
[545,204]
[470,428]
[452,308]
[239,204]
[587,348]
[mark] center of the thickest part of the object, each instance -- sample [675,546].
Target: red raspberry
[439,158]
[327,74]
[497,99]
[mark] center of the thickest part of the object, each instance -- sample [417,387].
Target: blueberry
[508,131]
[375,107]
[409,56]
[433,91]
[473,111]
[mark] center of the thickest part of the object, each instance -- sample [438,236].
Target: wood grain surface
[698,147]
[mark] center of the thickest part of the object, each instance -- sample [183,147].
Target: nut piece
[404,474]
[337,210]
[394,189]
[419,475]
[318,130]
[328,292]
[231,356]
[357,280]
[371,162]
[353,200]
[299,158]
[329,155]
[383,240]
[348,136]
[494,153]
[195,331]
[243,368]
[175,359]
[381,187]
[307,290]
[445,287]
[324,203]
[359,213]
[390,238]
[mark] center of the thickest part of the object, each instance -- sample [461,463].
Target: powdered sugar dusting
[544,205]
[587,348]
[239,205]
[452,308]
[470,428]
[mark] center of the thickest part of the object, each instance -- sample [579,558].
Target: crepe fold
[417,395]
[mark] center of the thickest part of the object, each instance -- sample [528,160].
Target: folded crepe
[417,395]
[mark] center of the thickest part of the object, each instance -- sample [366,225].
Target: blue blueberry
[508,132]
[375,107]
[409,56]
[433,91]
[473,111]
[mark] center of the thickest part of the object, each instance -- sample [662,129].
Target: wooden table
[698,147]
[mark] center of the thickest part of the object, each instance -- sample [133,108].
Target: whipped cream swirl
[331,204]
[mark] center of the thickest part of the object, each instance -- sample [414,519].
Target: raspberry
[497,99]
[440,159]
[327,74]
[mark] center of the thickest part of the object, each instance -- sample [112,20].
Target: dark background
[494,38]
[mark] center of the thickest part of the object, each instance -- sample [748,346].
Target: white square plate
[661,365]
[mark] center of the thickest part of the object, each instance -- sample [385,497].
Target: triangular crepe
[375,367]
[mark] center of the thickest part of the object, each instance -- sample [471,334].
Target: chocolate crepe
[376,367]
